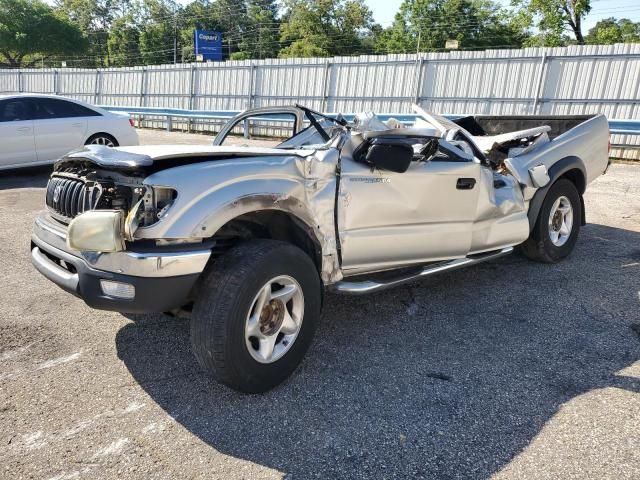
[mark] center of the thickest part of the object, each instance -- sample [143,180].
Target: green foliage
[261,37]
[31,31]
[240,56]
[610,30]
[553,18]
[122,43]
[426,25]
[94,19]
[95,33]
[325,27]
[160,24]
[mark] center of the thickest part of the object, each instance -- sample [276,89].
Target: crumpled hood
[144,156]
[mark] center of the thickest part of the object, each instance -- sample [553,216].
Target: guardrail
[616,126]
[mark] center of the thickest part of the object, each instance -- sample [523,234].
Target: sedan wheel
[102,140]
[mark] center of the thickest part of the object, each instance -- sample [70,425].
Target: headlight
[163,198]
[96,231]
[152,205]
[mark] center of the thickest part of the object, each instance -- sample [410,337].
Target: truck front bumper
[156,281]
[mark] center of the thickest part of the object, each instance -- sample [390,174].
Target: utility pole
[175,35]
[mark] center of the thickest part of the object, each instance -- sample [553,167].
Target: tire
[228,299]
[102,139]
[547,243]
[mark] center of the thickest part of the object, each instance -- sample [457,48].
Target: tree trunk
[577,30]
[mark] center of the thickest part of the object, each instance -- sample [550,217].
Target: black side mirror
[389,155]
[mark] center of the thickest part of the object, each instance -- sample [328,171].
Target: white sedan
[38,129]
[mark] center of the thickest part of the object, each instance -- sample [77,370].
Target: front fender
[210,194]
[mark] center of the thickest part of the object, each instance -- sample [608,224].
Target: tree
[610,31]
[32,32]
[325,27]
[123,41]
[426,25]
[160,22]
[260,39]
[553,18]
[94,18]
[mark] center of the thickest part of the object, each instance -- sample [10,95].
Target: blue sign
[208,44]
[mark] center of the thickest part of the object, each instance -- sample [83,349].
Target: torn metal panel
[213,193]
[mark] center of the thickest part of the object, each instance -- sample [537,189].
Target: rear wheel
[102,139]
[255,314]
[555,232]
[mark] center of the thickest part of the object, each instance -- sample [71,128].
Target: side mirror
[392,156]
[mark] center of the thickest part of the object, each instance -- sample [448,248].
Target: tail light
[131,122]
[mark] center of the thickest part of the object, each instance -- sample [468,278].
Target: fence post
[539,84]
[418,92]
[19,81]
[143,84]
[98,86]
[326,83]
[56,79]
[192,92]
[251,89]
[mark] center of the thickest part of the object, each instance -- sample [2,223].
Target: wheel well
[576,176]
[272,224]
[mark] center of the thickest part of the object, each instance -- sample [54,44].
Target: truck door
[389,219]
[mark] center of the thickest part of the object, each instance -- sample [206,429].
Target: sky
[384,10]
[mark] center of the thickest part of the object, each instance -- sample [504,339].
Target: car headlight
[96,231]
[151,207]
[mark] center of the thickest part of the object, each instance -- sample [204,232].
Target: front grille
[68,197]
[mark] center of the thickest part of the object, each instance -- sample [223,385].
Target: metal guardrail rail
[616,126]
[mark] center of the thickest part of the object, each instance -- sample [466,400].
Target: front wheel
[255,314]
[555,232]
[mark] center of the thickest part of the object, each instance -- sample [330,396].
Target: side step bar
[369,286]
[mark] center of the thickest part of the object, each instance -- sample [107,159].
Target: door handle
[24,129]
[77,125]
[465,183]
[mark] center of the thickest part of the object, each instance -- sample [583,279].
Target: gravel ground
[509,369]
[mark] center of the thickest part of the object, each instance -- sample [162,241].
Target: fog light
[118,289]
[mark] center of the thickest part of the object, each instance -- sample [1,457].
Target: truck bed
[481,125]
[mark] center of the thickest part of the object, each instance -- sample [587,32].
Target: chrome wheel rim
[102,141]
[560,221]
[274,319]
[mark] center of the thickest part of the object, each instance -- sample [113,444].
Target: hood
[155,156]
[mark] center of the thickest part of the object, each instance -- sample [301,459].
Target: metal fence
[571,80]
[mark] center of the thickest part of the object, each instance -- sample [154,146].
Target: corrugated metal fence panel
[222,86]
[37,80]
[120,86]
[282,82]
[78,83]
[9,81]
[572,80]
[481,82]
[167,87]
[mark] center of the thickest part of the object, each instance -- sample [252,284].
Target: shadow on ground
[451,377]
[32,177]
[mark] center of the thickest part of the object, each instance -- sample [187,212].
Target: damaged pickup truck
[247,239]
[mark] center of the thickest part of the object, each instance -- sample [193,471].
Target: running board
[369,286]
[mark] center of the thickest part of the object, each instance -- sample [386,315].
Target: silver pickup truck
[246,239]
